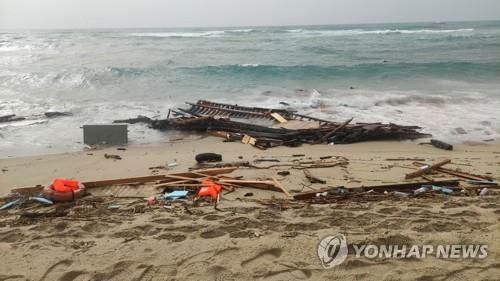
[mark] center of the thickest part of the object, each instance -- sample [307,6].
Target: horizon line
[248,26]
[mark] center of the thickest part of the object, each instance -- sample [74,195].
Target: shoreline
[136,160]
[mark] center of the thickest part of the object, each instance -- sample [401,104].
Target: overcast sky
[204,13]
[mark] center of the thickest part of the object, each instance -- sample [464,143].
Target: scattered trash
[208,157]
[484,192]
[215,119]
[421,190]
[112,156]
[114,207]
[10,204]
[439,189]
[248,194]
[170,166]
[401,194]
[283,173]
[41,200]
[150,200]
[484,182]
[178,194]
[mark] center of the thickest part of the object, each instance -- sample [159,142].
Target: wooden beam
[388,187]
[102,183]
[278,184]
[426,169]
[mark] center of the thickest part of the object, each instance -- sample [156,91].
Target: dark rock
[10,118]
[138,119]
[208,157]
[52,114]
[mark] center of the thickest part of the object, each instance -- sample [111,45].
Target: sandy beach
[244,239]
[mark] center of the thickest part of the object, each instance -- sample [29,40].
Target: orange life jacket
[64,185]
[209,188]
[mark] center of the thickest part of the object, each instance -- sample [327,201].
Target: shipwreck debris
[270,127]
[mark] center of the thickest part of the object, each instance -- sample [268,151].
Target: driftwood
[441,144]
[213,118]
[460,174]
[313,179]
[138,119]
[378,188]
[426,169]
[145,179]
[10,118]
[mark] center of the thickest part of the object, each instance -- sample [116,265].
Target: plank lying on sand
[388,187]
[426,169]
[102,183]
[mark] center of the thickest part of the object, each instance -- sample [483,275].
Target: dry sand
[246,240]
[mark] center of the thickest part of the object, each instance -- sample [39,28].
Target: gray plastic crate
[115,134]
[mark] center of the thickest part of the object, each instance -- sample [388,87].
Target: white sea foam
[215,33]
[249,65]
[351,32]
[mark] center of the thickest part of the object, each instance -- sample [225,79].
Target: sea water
[444,77]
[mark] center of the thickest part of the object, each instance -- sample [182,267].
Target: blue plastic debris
[421,190]
[42,200]
[439,188]
[177,194]
[10,204]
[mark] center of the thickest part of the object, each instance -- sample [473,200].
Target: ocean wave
[216,33]
[347,32]
[464,70]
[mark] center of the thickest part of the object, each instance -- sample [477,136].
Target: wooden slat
[93,184]
[388,187]
[278,184]
[425,170]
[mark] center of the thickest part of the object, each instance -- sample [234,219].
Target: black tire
[208,157]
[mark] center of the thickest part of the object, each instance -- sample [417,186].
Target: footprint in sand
[60,272]
[212,234]
[173,237]
[268,255]
[12,236]
[124,270]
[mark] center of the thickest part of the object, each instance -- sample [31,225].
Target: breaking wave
[380,70]
[348,32]
[192,34]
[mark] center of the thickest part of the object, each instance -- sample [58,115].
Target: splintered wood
[215,119]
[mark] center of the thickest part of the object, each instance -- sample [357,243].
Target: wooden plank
[325,137]
[278,184]
[248,140]
[311,178]
[278,117]
[267,185]
[388,187]
[102,183]
[456,173]
[426,169]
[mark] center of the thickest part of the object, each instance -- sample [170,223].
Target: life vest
[209,188]
[63,185]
